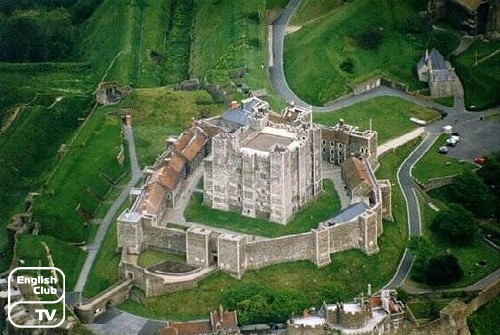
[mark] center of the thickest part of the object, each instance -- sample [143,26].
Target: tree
[456,225]
[348,65]
[443,269]
[472,193]
[423,250]
[490,172]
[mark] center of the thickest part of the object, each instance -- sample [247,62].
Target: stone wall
[198,247]
[280,250]
[231,254]
[345,236]
[166,239]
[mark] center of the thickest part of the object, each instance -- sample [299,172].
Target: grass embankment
[486,321]
[426,310]
[436,165]
[479,70]
[28,150]
[231,46]
[324,207]
[162,112]
[390,116]
[468,256]
[68,258]
[81,182]
[345,277]
[314,54]
[149,258]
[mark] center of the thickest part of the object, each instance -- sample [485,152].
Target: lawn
[436,165]
[467,256]
[162,112]
[324,207]
[482,80]
[316,75]
[82,180]
[344,278]
[390,116]
[149,258]
[66,257]
[426,310]
[310,10]
[486,321]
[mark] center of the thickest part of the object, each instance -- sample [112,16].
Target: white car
[443,150]
[451,142]
[455,138]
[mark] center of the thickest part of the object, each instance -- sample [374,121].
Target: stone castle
[265,169]
[261,164]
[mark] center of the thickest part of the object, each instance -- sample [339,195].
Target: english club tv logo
[42,290]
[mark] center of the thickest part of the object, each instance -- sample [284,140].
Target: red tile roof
[192,328]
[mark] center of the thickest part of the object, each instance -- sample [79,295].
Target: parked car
[443,150]
[480,160]
[455,138]
[451,142]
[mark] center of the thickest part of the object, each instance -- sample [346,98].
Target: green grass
[486,321]
[28,151]
[436,165]
[162,112]
[324,207]
[313,54]
[66,257]
[310,10]
[427,309]
[390,116]
[480,81]
[446,101]
[234,39]
[347,275]
[82,180]
[149,258]
[467,256]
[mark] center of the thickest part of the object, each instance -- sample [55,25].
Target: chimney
[369,290]
[426,54]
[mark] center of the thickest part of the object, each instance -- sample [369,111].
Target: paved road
[93,249]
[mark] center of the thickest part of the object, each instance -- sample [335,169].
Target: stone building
[380,314]
[343,141]
[220,322]
[438,73]
[265,168]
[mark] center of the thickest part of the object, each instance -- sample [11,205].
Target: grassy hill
[378,37]
[481,80]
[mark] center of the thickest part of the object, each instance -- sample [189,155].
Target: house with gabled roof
[438,73]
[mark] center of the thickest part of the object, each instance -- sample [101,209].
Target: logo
[42,290]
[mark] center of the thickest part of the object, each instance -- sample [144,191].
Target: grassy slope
[481,81]
[162,112]
[79,180]
[435,165]
[322,208]
[467,256]
[315,75]
[390,116]
[235,38]
[486,321]
[347,274]
[149,258]
[311,10]
[66,257]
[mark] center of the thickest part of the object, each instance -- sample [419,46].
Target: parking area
[477,138]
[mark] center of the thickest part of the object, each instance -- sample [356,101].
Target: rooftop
[350,212]
[241,113]
[263,141]
[309,321]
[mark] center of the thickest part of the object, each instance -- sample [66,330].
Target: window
[323,142]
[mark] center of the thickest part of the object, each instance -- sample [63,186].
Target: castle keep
[263,169]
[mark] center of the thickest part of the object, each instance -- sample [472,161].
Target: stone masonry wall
[231,254]
[279,250]
[345,236]
[198,247]
[167,239]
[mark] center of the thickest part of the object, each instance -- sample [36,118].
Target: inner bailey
[142,226]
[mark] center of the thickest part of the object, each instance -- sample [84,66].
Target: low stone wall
[436,182]
[280,250]
[345,236]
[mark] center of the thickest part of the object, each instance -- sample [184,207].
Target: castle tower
[231,254]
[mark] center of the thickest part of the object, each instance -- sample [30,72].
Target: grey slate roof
[437,60]
[350,212]
[242,114]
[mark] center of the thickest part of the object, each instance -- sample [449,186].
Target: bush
[456,225]
[370,39]
[443,269]
[348,65]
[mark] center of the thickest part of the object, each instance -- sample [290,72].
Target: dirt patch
[13,115]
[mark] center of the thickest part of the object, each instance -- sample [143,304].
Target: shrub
[443,269]
[348,65]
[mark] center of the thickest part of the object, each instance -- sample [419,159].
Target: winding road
[458,113]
